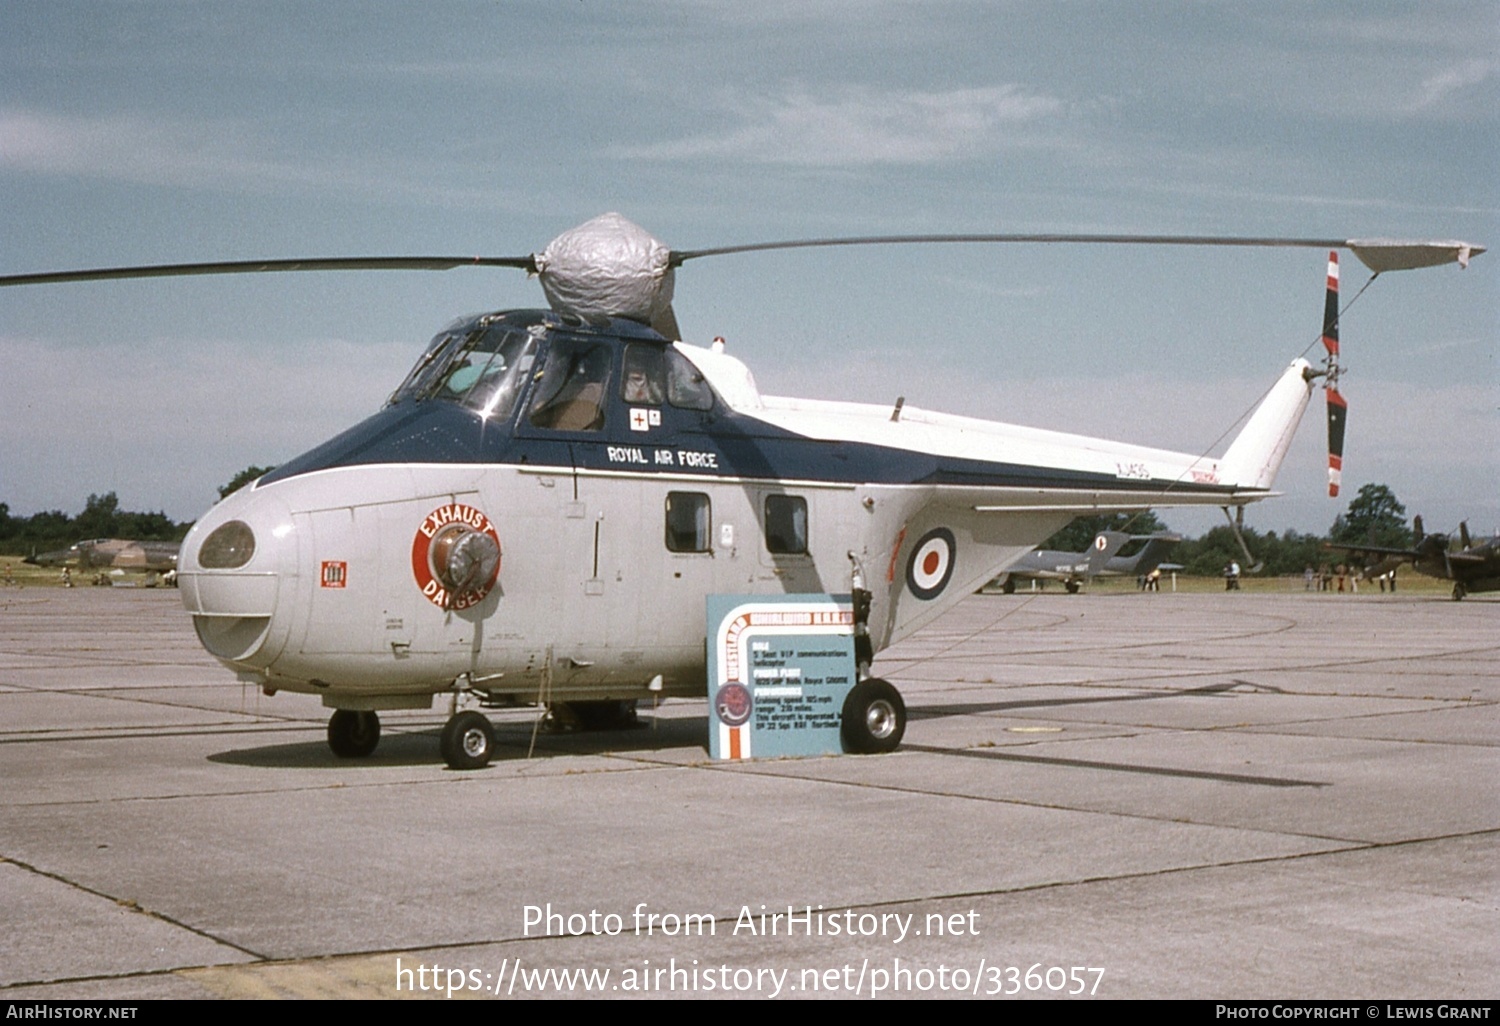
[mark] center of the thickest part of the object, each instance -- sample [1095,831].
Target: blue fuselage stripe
[720,443]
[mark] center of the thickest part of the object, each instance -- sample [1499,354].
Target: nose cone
[229,572]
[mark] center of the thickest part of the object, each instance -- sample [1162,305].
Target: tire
[874,718]
[1009,587]
[468,741]
[1072,587]
[1459,591]
[352,733]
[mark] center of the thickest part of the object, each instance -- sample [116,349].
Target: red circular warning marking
[931,564]
[440,528]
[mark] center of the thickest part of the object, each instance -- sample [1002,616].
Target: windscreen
[481,366]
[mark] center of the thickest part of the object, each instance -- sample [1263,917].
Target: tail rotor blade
[1338,408]
[1338,411]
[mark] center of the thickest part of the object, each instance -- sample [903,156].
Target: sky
[156,132]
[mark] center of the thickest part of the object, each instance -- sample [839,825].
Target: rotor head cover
[607,267]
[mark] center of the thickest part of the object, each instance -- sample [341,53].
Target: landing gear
[1009,587]
[1072,587]
[353,733]
[1459,591]
[874,718]
[468,741]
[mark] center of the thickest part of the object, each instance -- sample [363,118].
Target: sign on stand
[779,669]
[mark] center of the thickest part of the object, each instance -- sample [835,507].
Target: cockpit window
[686,388]
[645,376]
[434,360]
[571,387]
[484,369]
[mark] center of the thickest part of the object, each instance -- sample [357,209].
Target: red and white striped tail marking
[1338,409]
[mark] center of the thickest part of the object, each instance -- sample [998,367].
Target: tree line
[1373,517]
[102,517]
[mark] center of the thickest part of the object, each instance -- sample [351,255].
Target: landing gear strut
[873,719]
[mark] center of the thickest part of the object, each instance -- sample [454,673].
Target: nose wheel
[353,733]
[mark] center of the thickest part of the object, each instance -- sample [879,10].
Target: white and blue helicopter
[539,511]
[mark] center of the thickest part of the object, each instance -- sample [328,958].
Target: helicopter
[539,512]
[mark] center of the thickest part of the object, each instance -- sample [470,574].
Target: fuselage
[113,553]
[544,506]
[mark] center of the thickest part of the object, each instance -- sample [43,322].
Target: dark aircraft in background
[1471,566]
[1105,558]
[115,556]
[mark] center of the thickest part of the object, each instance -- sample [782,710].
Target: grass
[18,575]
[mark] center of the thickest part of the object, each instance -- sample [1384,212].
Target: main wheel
[468,741]
[874,718]
[1459,591]
[353,733]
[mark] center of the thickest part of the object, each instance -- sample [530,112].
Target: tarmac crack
[130,905]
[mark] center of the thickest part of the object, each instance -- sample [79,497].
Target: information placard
[780,667]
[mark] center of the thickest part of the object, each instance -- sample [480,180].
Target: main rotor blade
[1377,254]
[525,263]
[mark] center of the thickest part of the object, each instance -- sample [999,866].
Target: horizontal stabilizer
[1406,255]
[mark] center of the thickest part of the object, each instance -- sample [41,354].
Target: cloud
[858,126]
[1437,88]
[126,147]
[166,422]
[228,155]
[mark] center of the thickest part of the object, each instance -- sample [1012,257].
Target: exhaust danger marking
[439,530]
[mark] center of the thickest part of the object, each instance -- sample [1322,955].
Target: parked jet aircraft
[1471,566]
[624,476]
[1104,558]
[113,556]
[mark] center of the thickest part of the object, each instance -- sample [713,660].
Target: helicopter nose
[229,573]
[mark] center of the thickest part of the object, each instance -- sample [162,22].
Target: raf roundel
[930,566]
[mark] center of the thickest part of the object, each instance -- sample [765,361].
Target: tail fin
[1256,455]
[1152,553]
[1103,550]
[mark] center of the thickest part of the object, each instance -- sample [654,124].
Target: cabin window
[688,522]
[645,377]
[686,388]
[786,524]
[571,387]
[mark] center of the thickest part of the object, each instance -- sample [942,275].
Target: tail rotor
[1338,407]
